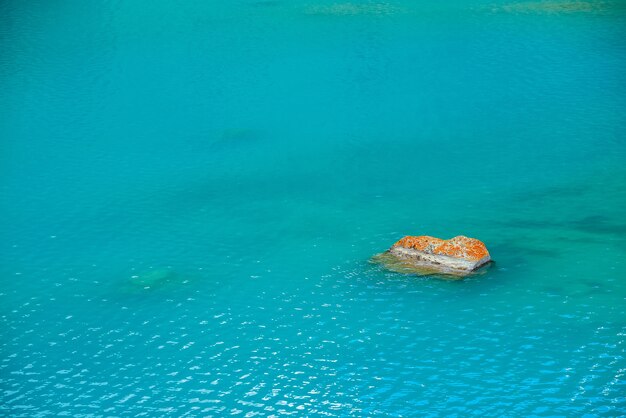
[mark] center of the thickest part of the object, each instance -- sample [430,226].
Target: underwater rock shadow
[522,253]
[553,7]
[267,3]
[351,9]
[553,192]
[150,280]
[235,139]
[598,224]
[593,224]
[159,282]
[222,140]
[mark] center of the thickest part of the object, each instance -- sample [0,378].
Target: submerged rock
[458,256]
[152,278]
[351,9]
[553,7]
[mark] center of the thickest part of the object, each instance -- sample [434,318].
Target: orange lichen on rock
[457,247]
[421,243]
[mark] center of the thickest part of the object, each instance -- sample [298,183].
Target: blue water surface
[191,193]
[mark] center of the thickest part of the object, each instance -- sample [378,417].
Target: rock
[457,256]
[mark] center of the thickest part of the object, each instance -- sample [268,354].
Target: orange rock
[458,255]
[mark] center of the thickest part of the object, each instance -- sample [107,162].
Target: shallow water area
[191,194]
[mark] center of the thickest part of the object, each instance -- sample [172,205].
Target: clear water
[245,159]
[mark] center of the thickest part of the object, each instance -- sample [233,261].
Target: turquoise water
[191,193]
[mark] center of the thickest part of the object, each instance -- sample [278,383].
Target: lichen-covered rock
[457,256]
